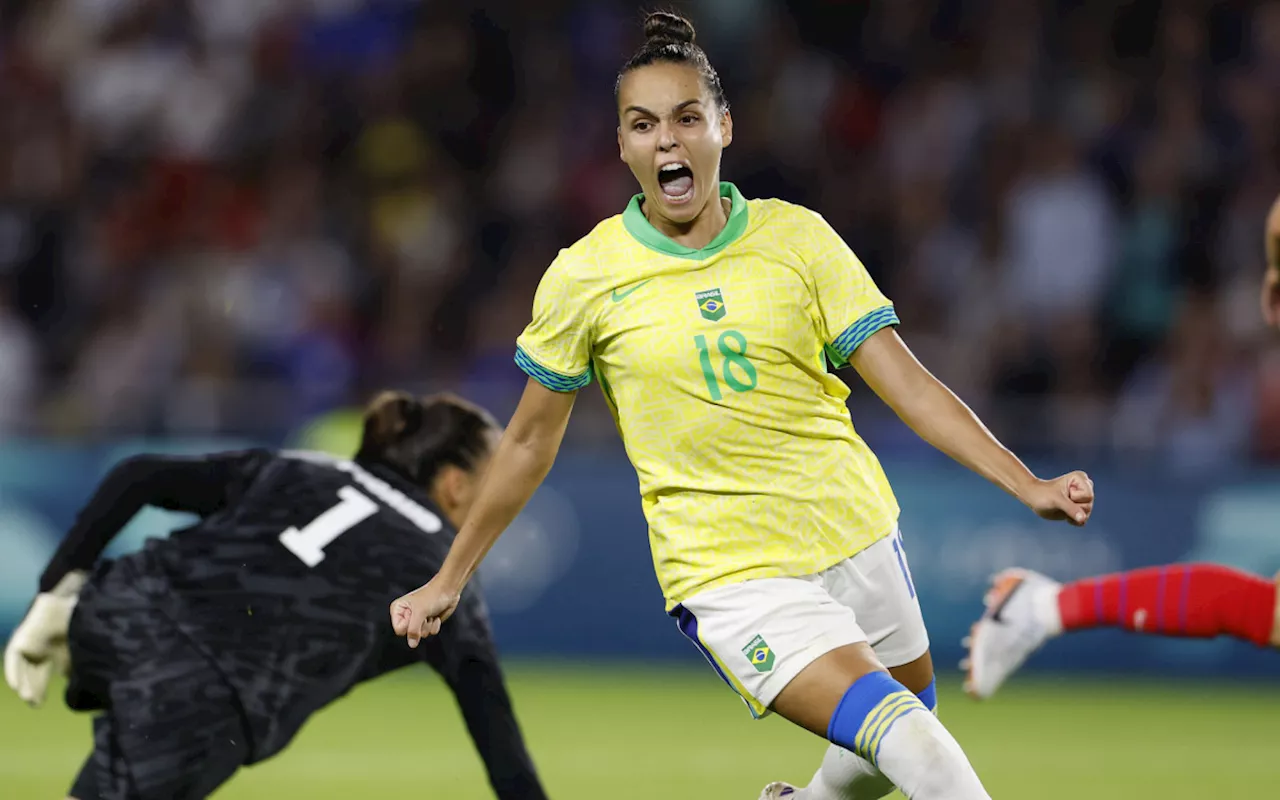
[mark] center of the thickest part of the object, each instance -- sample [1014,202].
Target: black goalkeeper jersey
[285,582]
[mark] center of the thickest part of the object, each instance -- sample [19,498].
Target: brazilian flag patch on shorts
[759,654]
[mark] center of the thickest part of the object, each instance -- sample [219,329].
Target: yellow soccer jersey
[712,362]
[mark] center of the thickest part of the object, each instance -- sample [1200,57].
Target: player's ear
[726,128]
[622,155]
[451,491]
[454,480]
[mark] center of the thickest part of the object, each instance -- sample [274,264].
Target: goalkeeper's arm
[465,657]
[196,485]
[38,646]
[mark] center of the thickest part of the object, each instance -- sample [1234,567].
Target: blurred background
[227,222]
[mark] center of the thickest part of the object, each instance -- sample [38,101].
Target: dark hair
[417,437]
[669,38]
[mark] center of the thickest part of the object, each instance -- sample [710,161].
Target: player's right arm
[1271,278]
[197,485]
[555,352]
[524,457]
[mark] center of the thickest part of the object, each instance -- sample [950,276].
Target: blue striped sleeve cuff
[857,333]
[549,378]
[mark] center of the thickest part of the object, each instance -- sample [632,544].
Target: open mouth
[676,181]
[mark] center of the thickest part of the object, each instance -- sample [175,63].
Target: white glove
[39,645]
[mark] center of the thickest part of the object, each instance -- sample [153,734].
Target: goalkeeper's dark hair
[418,437]
[669,38]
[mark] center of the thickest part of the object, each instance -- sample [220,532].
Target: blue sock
[929,695]
[869,710]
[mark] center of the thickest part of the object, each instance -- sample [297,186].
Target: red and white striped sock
[1180,600]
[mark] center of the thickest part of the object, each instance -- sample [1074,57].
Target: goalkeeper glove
[39,645]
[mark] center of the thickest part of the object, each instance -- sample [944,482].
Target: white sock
[884,723]
[925,762]
[1044,604]
[845,776]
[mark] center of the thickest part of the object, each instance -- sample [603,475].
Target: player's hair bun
[669,39]
[445,414]
[663,27]
[391,416]
[419,436]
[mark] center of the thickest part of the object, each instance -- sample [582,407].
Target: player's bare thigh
[811,697]
[915,675]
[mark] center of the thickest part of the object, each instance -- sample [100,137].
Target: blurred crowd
[227,216]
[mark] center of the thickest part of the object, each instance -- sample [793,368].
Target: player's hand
[1069,497]
[38,648]
[1271,297]
[420,613]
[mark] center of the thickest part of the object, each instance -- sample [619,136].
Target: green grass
[658,733]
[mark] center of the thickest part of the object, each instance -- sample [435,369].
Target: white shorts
[760,634]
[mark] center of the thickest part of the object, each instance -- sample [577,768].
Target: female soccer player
[208,650]
[708,320]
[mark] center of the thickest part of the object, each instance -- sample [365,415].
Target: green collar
[644,232]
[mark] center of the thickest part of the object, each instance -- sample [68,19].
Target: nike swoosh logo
[999,610]
[618,296]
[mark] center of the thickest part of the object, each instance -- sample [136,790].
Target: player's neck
[698,232]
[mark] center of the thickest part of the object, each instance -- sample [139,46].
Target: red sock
[1182,600]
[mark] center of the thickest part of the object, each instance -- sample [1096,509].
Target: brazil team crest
[711,304]
[758,652]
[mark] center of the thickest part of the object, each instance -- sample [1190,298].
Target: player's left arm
[859,324]
[940,418]
[465,656]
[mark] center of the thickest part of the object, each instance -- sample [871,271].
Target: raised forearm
[516,471]
[522,460]
[935,413]
[943,420]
